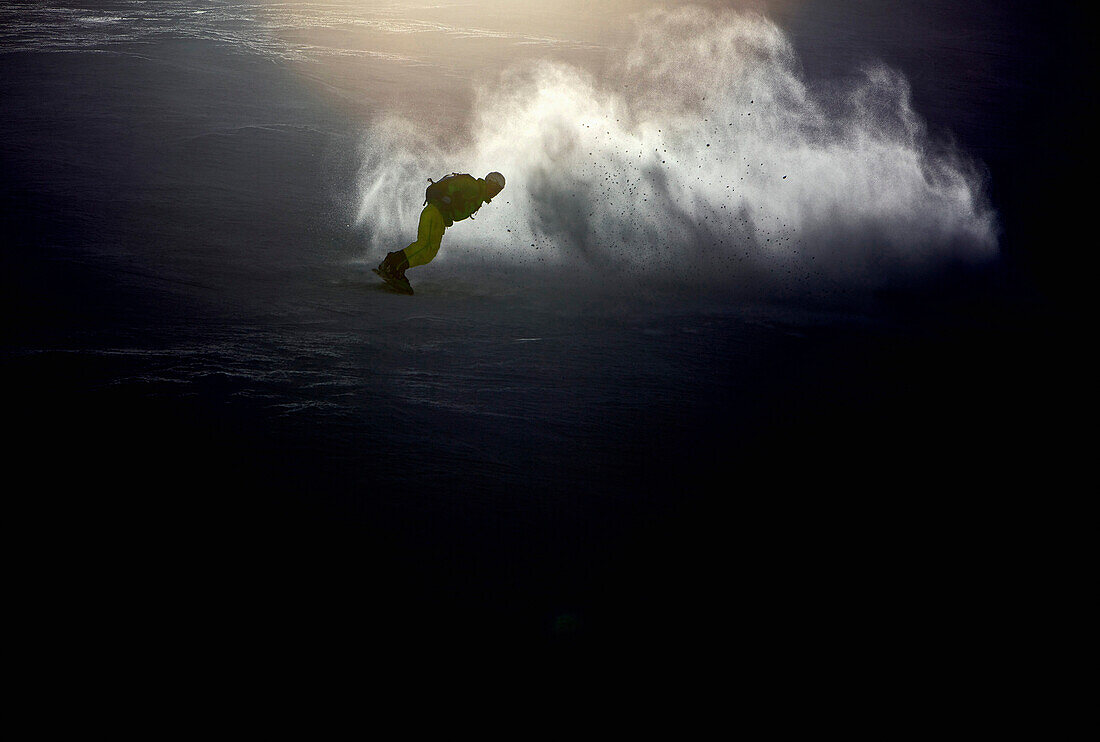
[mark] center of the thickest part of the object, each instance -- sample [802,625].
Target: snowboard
[400,285]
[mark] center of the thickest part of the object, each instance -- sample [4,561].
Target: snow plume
[703,153]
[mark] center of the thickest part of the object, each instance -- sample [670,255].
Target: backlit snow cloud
[702,153]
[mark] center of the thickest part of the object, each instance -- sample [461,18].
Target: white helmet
[497,178]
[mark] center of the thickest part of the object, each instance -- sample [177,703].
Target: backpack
[446,191]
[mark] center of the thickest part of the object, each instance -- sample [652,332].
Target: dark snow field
[756,342]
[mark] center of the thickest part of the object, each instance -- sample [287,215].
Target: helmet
[497,178]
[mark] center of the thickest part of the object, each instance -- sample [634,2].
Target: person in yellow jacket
[449,200]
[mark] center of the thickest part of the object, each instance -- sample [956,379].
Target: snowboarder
[448,200]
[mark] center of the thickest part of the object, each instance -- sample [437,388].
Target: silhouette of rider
[449,200]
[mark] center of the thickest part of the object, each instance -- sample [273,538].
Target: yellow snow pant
[429,234]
